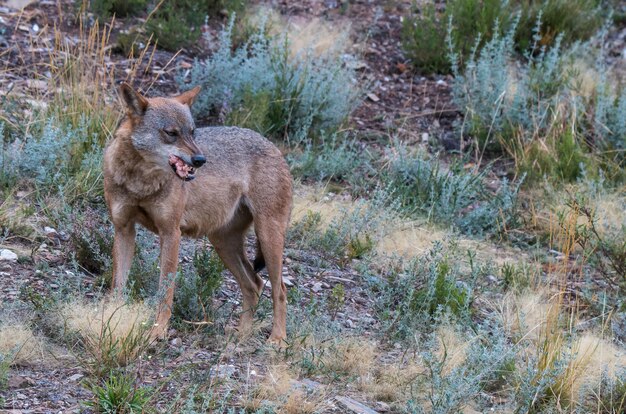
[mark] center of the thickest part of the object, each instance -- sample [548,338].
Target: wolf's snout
[198,160]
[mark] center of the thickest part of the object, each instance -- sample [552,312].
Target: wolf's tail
[259,260]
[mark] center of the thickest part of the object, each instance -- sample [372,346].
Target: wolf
[175,180]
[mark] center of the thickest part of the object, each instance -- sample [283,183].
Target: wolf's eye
[170,132]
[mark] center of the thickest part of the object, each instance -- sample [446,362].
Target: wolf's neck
[130,170]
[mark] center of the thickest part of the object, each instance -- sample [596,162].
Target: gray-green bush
[488,361]
[420,291]
[610,121]
[533,111]
[197,287]
[353,233]
[450,195]
[336,158]
[59,160]
[260,86]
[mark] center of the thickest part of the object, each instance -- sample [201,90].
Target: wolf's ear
[187,98]
[135,102]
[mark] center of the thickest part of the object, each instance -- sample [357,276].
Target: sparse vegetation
[486,279]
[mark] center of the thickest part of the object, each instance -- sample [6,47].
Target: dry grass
[610,212]
[390,382]
[351,356]
[452,348]
[280,390]
[524,315]
[593,355]
[305,35]
[113,333]
[20,345]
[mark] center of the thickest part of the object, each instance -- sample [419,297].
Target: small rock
[425,137]
[50,232]
[176,342]
[355,406]
[288,281]
[20,396]
[317,287]
[8,255]
[18,381]
[373,97]
[223,371]
[492,279]
[75,377]
[382,407]
[310,384]
[441,82]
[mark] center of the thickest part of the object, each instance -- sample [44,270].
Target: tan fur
[245,180]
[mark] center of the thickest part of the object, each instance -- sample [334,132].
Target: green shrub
[196,289]
[119,8]
[574,20]
[468,22]
[440,293]
[423,40]
[177,23]
[517,278]
[119,394]
[259,85]
[471,23]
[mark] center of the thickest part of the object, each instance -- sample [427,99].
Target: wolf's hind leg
[271,235]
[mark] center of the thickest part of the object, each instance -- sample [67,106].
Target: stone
[18,381]
[8,255]
[75,377]
[382,407]
[354,406]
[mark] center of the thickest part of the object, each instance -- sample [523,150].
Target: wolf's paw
[277,340]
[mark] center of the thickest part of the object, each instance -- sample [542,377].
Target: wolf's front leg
[123,249]
[170,242]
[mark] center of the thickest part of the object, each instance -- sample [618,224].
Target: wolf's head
[163,130]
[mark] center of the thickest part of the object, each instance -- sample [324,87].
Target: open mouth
[183,170]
